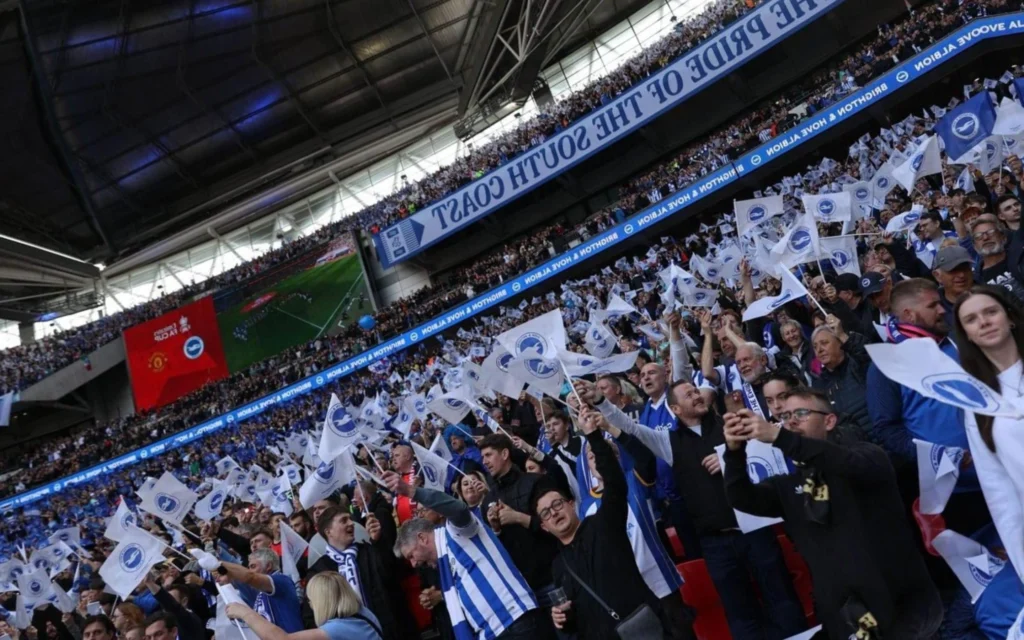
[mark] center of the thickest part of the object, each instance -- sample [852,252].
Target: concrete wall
[73,376]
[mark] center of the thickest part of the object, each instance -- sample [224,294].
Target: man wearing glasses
[843,511]
[1001,259]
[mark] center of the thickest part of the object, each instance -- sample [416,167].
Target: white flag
[881,184]
[225,464]
[599,341]
[440,447]
[277,496]
[799,245]
[860,198]
[64,602]
[791,290]
[577,364]
[416,404]
[965,181]
[700,297]
[496,376]
[678,281]
[36,587]
[328,478]
[169,499]
[543,336]
[969,560]
[829,207]
[292,548]
[121,523]
[542,373]
[452,406]
[130,561]
[70,536]
[1009,118]
[750,213]
[841,251]
[210,506]
[22,619]
[903,222]
[938,468]
[763,461]
[340,431]
[434,467]
[920,365]
[923,161]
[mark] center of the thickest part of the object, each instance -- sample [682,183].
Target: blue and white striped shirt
[483,590]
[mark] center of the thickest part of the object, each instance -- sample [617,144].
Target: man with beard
[953,269]
[1000,257]
[732,557]
[900,414]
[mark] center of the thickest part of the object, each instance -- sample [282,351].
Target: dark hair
[559,414]
[612,379]
[932,215]
[791,380]
[1006,197]
[327,517]
[262,531]
[101,619]
[543,487]
[973,359]
[909,288]
[183,588]
[497,441]
[815,395]
[670,392]
[162,616]
[976,200]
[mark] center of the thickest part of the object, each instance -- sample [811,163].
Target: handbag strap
[587,588]
[376,628]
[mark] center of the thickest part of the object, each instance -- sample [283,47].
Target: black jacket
[378,580]
[531,549]
[846,386]
[190,626]
[860,548]
[600,554]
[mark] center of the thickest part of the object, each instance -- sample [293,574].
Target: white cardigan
[1002,473]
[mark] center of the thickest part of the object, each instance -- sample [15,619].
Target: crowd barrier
[941,52]
[748,36]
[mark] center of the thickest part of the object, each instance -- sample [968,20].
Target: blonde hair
[331,596]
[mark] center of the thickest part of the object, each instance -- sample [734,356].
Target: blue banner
[742,40]
[937,54]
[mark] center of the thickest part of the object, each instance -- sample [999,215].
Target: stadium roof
[125,123]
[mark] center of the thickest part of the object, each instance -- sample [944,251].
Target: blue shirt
[352,628]
[280,607]
[657,416]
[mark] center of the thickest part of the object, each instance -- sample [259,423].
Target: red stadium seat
[676,545]
[411,587]
[699,592]
[801,577]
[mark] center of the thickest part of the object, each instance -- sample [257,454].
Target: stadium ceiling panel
[127,122]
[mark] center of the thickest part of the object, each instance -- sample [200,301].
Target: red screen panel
[175,354]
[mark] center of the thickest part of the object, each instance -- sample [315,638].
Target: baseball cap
[949,258]
[847,282]
[871,282]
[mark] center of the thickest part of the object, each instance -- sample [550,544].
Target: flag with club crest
[543,336]
[882,183]
[965,181]
[792,289]
[226,464]
[130,561]
[122,523]
[860,198]
[922,366]
[36,587]
[599,341]
[292,548]
[582,365]
[452,406]
[903,222]
[1009,119]
[169,499]
[938,469]
[750,213]
[277,496]
[433,466]
[209,507]
[340,431]
[496,375]
[972,563]
[799,244]
[841,251]
[965,126]
[70,536]
[328,478]
[440,447]
[539,372]
[829,207]
[924,160]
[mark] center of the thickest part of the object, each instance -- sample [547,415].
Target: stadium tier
[314,372]
[835,350]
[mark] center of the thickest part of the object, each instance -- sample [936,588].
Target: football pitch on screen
[314,303]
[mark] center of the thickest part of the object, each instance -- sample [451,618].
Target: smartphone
[734,402]
[93,608]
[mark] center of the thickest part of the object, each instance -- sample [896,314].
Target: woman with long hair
[125,616]
[337,610]
[990,335]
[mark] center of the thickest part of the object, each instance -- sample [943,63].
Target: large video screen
[174,354]
[313,296]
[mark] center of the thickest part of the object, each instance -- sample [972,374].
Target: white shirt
[1001,473]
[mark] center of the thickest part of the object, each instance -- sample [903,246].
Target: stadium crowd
[904,511]
[24,365]
[63,455]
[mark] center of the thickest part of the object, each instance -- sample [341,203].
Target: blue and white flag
[36,587]
[226,464]
[452,406]
[841,251]
[972,563]
[121,524]
[130,562]
[1009,119]
[328,478]
[540,373]
[938,468]
[543,336]
[882,183]
[210,506]
[799,245]
[965,181]
[967,125]
[599,341]
[750,213]
[169,499]
[922,366]
[829,207]
[792,289]
[763,462]
[433,466]
[924,160]
[904,222]
[340,431]
[860,198]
